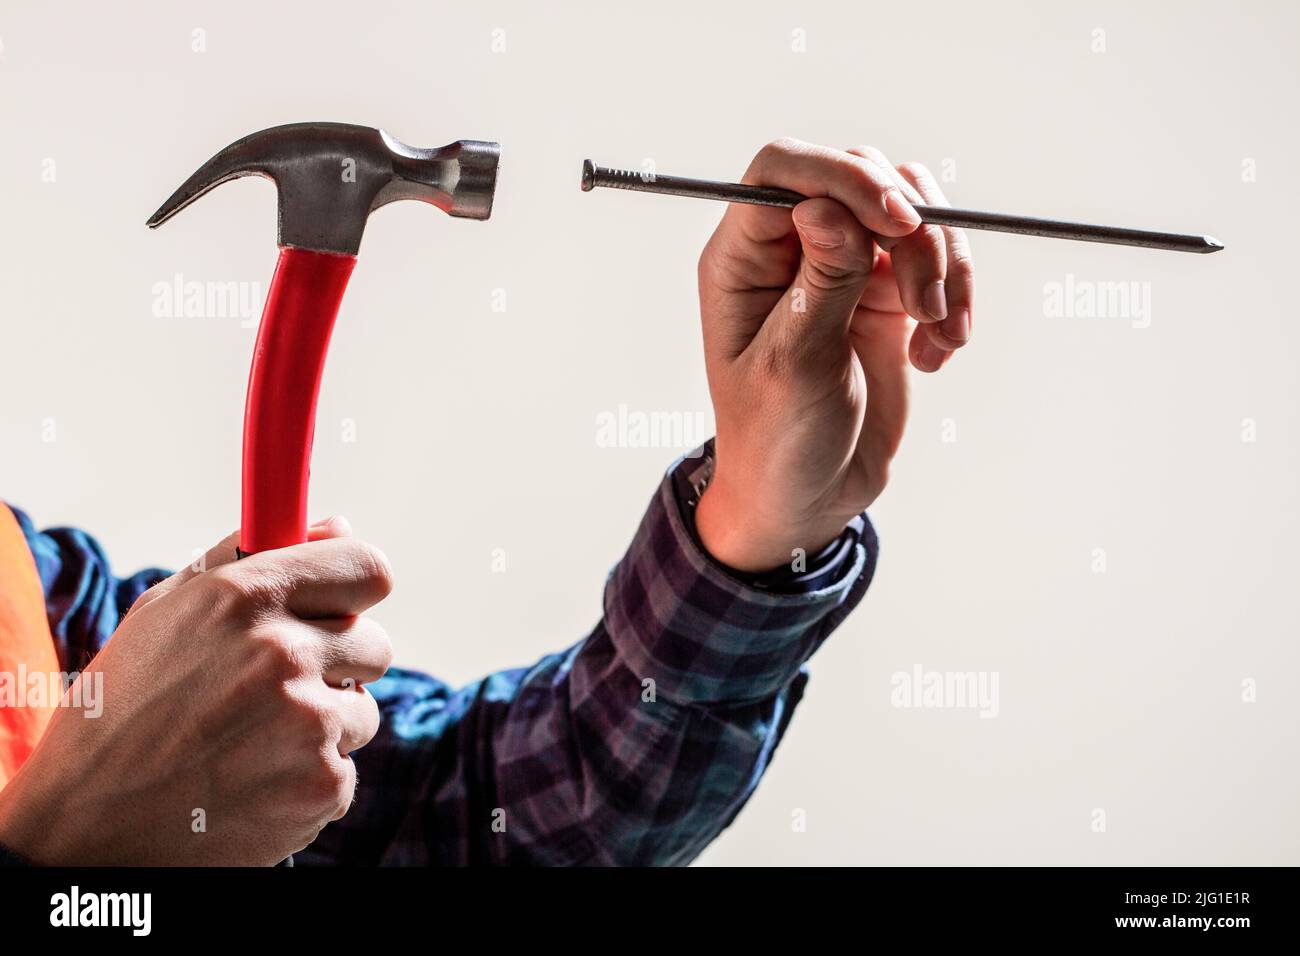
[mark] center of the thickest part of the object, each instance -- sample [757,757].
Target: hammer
[329,177]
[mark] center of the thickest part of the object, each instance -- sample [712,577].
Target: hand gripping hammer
[330,177]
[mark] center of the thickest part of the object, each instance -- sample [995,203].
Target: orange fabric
[26,647]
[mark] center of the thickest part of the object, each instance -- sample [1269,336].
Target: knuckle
[873,154]
[277,657]
[705,266]
[915,171]
[881,474]
[372,721]
[880,453]
[946,342]
[922,254]
[384,644]
[233,591]
[930,239]
[868,175]
[781,146]
[889,243]
[373,567]
[329,784]
[146,597]
[317,724]
[825,276]
[712,270]
[344,781]
[344,804]
[723,261]
[364,654]
[960,265]
[334,776]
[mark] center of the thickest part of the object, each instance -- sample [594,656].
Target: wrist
[736,534]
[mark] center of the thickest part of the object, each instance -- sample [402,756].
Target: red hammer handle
[283,385]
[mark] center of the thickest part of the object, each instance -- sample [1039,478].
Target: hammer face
[459,178]
[331,176]
[477,164]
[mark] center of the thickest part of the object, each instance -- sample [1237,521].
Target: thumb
[837,260]
[227,550]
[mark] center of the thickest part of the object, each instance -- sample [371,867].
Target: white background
[475,429]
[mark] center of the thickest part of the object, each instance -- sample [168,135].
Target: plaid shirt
[637,745]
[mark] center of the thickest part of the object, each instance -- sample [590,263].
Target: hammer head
[331,176]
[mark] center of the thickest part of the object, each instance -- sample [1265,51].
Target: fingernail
[824,236]
[936,302]
[900,210]
[958,327]
[929,357]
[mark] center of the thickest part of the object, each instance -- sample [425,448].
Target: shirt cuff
[703,635]
[689,479]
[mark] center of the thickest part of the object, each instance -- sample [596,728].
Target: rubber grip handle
[283,385]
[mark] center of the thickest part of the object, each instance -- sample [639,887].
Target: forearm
[636,746]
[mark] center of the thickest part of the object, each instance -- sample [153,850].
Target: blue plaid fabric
[637,745]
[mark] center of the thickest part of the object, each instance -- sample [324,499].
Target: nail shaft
[594,176]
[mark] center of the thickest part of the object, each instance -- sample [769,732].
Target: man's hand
[807,339]
[231,699]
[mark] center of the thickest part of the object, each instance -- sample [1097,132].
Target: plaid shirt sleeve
[83,600]
[638,745]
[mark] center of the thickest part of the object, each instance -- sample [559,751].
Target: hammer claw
[217,170]
[329,177]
